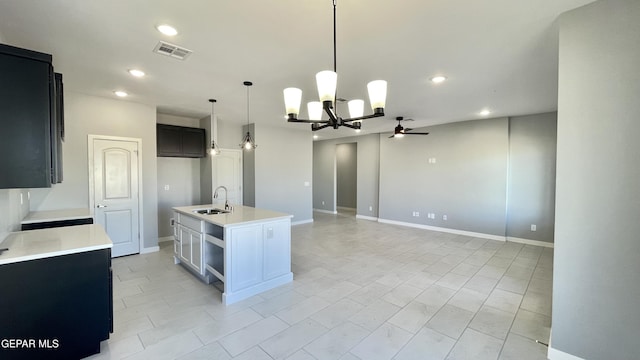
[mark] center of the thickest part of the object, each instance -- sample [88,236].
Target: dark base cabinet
[56,308]
[56,223]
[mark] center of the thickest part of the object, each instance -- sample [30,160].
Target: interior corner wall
[532,175]
[595,281]
[346,175]
[249,170]
[467,181]
[84,115]
[283,171]
[206,172]
[324,173]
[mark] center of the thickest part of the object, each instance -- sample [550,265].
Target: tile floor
[361,290]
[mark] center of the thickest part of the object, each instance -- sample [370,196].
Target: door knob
[101,206]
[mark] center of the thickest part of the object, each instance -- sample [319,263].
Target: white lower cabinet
[246,257]
[258,253]
[188,242]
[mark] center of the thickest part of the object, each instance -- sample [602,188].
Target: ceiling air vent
[174,51]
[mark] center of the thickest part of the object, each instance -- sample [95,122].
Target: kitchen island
[247,249]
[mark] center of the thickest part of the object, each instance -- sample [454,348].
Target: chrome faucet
[226,196]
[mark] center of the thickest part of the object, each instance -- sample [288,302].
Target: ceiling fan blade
[413,133]
[407,129]
[392,136]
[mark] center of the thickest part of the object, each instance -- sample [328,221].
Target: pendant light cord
[335,61]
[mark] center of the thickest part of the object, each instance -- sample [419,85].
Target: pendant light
[248,143]
[327,84]
[215,149]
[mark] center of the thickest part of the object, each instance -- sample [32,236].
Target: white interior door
[115,190]
[227,172]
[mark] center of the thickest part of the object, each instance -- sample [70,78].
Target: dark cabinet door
[168,140]
[179,141]
[64,303]
[193,142]
[25,119]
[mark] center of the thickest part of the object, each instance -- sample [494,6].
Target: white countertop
[240,214]
[56,215]
[38,244]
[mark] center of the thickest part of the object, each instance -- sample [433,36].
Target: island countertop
[44,243]
[240,214]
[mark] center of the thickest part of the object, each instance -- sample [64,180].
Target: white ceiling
[497,54]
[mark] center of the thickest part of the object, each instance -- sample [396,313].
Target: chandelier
[327,84]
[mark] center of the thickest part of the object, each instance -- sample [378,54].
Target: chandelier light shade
[327,82]
[377,94]
[356,108]
[248,143]
[292,99]
[315,110]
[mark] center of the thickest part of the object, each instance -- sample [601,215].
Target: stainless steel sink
[211,211]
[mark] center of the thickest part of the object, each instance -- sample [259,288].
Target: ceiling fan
[400,131]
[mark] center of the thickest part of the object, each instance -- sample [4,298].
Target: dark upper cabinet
[30,120]
[179,141]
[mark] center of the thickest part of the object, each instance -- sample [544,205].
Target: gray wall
[347,175]
[596,266]
[324,173]
[532,174]
[84,115]
[12,211]
[283,166]
[467,182]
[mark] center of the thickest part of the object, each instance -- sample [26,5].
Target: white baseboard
[301,222]
[555,354]
[364,217]
[149,250]
[530,242]
[326,211]
[345,208]
[165,239]
[446,230]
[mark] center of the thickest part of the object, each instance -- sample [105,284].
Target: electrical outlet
[370,208]
[172,222]
[444,217]
[166,187]
[533,227]
[21,201]
[431,215]
[322,202]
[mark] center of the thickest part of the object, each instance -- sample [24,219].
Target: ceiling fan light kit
[400,131]
[327,82]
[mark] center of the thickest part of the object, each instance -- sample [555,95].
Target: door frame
[241,157]
[92,203]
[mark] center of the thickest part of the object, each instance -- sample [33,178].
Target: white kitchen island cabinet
[248,249]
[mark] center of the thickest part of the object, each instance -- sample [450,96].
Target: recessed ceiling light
[485,112]
[136,72]
[438,79]
[315,137]
[120,93]
[167,30]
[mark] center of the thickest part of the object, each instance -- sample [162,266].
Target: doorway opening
[346,179]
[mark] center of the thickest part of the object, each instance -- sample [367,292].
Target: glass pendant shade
[356,108]
[315,110]
[377,93]
[327,83]
[398,135]
[292,99]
